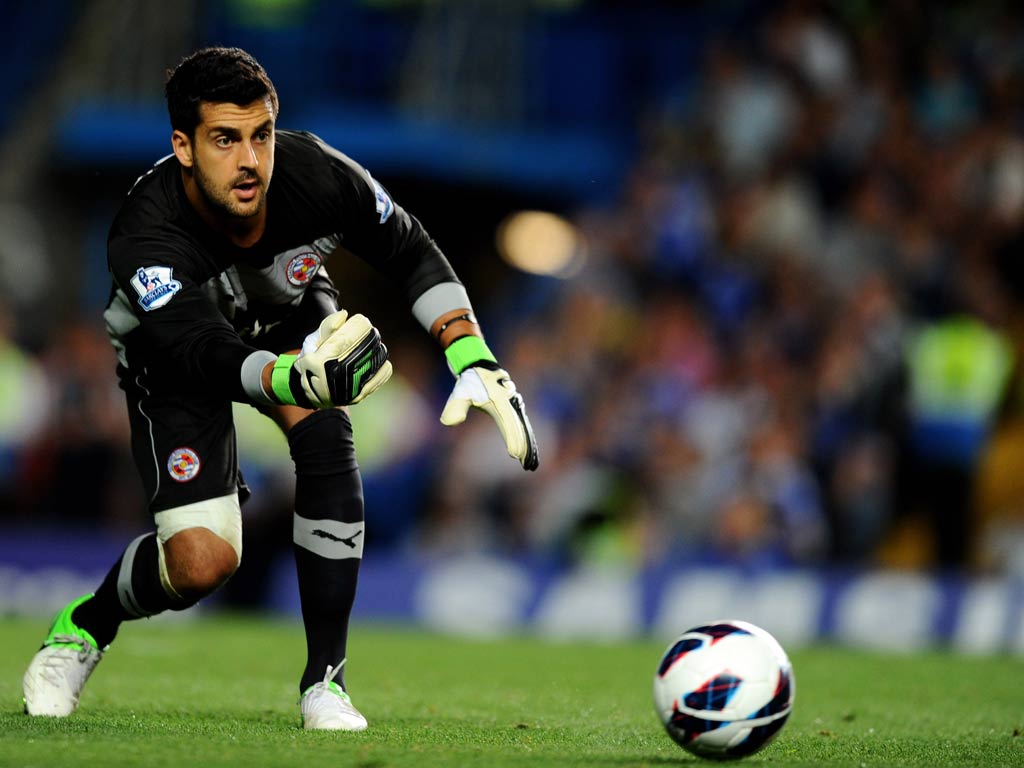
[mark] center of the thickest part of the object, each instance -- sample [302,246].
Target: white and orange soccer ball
[723,690]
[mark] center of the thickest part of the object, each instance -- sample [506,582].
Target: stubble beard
[223,203]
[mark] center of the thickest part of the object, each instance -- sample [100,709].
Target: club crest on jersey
[301,268]
[384,205]
[183,464]
[154,286]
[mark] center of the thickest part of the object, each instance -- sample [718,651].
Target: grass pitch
[221,691]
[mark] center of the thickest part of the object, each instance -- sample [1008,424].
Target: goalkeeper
[220,294]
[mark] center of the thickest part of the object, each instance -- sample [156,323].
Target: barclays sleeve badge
[384,205]
[155,286]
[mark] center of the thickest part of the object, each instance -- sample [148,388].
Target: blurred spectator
[806,37]
[858,415]
[751,110]
[23,411]
[958,369]
[947,102]
[79,467]
[26,271]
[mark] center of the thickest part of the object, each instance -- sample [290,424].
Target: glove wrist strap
[280,379]
[467,351]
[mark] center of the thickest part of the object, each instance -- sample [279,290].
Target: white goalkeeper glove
[341,362]
[482,384]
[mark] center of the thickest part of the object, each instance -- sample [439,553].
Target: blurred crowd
[794,339]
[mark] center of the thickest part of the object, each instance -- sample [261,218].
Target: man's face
[232,156]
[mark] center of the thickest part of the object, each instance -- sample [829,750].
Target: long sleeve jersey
[186,303]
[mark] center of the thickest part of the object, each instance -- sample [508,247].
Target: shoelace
[324,685]
[72,640]
[54,667]
[332,672]
[84,650]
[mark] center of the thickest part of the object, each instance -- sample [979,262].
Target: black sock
[123,597]
[328,536]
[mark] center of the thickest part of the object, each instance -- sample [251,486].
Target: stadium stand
[793,215]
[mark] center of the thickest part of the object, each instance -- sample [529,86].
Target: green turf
[222,692]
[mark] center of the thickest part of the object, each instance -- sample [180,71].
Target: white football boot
[326,707]
[53,683]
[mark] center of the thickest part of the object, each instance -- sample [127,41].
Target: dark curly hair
[214,74]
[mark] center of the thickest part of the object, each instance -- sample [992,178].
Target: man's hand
[491,390]
[340,363]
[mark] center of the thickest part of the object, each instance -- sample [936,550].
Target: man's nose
[248,158]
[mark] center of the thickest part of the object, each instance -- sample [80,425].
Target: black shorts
[184,447]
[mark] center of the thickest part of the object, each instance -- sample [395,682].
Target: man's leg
[131,590]
[168,570]
[328,535]
[186,456]
[151,576]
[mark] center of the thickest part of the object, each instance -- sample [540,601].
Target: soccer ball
[723,690]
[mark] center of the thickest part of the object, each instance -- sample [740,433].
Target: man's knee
[200,547]
[322,443]
[198,561]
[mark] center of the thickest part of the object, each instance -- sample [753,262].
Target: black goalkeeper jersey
[188,306]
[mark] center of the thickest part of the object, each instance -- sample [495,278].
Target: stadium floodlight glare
[541,243]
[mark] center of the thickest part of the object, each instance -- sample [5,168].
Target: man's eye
[222,141]
[263,136]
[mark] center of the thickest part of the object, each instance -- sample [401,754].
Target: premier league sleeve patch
[155,286]
[384,205]
[183,464]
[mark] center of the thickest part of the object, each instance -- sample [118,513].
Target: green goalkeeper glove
[481,383]
[340,363]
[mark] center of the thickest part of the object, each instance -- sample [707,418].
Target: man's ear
[182,146]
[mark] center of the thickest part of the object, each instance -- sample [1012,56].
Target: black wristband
[469,317]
